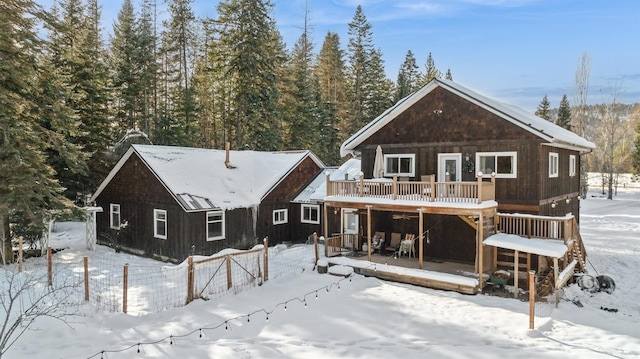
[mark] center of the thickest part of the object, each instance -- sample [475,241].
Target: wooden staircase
[578,250]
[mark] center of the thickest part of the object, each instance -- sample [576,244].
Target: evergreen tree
[330,71]
[448,75]
[408,77]
[635,160]
[431,72]
[29,95]
[254,56]
[543,109]
[360,48]
[146,58]
[378,87]
[564,113]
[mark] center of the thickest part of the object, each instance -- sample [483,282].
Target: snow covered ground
[370,318]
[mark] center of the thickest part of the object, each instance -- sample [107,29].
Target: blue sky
[513,50]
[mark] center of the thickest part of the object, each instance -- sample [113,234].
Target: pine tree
[360,48]
[330,71]
[543,109]
[431,72]
[378,87]
[635,116]
[29,95]
[564,114]
[254,56]
[448,75]
[146,58]
[408,77]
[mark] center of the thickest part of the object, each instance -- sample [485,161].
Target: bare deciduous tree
[579,120]
[26,297]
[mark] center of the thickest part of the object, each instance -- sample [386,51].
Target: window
[215,225]
[310,213]
[280,216]
[160,223]
[553,164]
[504,164]
[399,164]
[115,216]
[572,165]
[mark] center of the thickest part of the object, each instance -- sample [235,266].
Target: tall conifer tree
[543,109]
[408,77]
[360,48]
[564,113]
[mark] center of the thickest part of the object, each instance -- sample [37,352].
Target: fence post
[20,254]
[49,267]
[229,282]
[86,278]
[190,279]
[265,241]
[532,298]
[125,283]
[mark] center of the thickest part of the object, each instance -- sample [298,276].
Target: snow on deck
[544,247]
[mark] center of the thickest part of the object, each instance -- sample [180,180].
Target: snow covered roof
[544,247]
[550,132]
[317,189]
[199,179]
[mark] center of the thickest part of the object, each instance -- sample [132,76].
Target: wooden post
[361,190]
[433,188]
[326,230]
[528,262]
[395,187]
[190,279]
[86,278]
[125,284]
[20,250]
[265,241]
[532,298]
[421,239]
[479,200]
[480,232]
[315,247]
[516,271]
[229,282]
[369,233]
[328,184]
[49,266]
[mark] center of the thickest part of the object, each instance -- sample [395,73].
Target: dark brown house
[446,162]
[171,202]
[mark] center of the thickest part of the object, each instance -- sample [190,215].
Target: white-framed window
[399,164]
[215,225]
[553,164]
[504,164]
[160,223]
[114,217]
[572,165]
[310,213]
[280,216]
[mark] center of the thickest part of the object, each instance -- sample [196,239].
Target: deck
[458,277]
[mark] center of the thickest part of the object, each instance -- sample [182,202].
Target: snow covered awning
[544,247]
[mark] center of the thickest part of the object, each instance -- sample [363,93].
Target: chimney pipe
[226,160]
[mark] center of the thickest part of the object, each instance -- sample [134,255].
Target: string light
[226,323]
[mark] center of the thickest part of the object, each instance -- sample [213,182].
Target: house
[448,165]
[310,201]
[171,202]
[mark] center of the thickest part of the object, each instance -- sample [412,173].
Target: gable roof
[199,180]
[316,191]
[548,131]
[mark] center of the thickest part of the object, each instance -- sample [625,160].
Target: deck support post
[421,238]
[326,229]
[480,232]
[516,271]
[369,233]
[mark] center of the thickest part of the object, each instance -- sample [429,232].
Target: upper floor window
[572,165]
[215,225]
[160,223]
[504,164]
[553,164]
[399,164]
[280,216]
[310,213]
[114,216]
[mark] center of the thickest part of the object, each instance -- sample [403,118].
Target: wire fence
[113,286]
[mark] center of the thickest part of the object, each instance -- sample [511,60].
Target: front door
[449,164]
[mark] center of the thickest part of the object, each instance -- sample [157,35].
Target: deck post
[328,183]
[395,187]
[433,188]
[421,239]
[361,189]
[479,176]
[532,298]
[369,233]
[480,232]
[516,271]
[326,229]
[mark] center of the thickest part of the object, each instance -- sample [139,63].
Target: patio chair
[378,242]
[394,244]
[407,245]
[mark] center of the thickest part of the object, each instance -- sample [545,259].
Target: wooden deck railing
[428,191]
[532,226]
